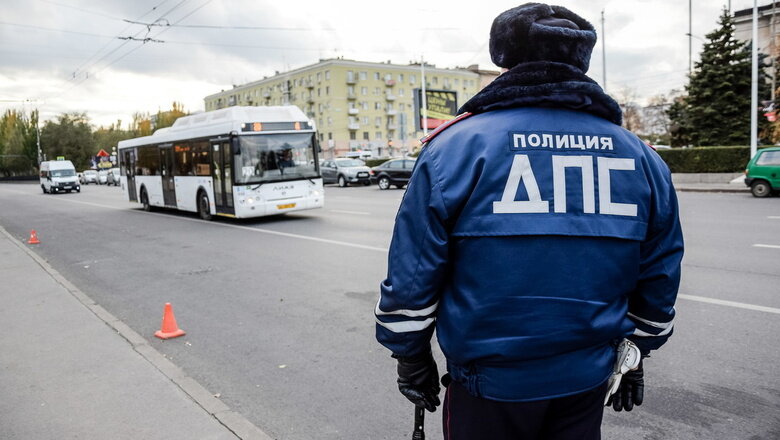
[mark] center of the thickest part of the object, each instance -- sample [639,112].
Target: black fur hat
[540,32]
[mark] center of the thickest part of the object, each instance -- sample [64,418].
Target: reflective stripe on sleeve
[406,326]
[408,312]
[661,325]
[638,332]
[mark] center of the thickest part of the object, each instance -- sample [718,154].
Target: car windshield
[350,163]
[90,173]
[272,157]
[63,173]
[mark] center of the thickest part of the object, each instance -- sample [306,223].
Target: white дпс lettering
[522,172]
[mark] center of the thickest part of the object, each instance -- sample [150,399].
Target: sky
[113,58]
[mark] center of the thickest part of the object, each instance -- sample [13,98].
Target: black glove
[631,391]
[418,380]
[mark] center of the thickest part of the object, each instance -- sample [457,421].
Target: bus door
[222,158]
[128,162]
[166,171]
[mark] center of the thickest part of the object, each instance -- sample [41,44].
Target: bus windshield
[272,157]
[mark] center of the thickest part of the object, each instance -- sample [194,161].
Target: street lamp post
[754,85]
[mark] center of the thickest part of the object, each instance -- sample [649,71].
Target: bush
[375,162]
[706,159]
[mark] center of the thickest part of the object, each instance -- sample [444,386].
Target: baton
[419,421]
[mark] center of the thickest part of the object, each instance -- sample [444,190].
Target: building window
[400,77]
[378,135]
[365,136]
[401,106]
[365,120]
[363,76]
[319,76]
[330,121]
[457,82]
[364,104]
[378,121]
[400,92]
[327,74]
[364,91]
[327,90]
[352,136]
[412,79]
[376,75]
[377,106]
[435,80]
[330,136]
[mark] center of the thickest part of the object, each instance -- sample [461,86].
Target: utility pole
[754,85]
[603,52]
[424,100]
[690,37]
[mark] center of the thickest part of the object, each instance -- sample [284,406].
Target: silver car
[345,171]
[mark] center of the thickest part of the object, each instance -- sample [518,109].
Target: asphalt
[71,370]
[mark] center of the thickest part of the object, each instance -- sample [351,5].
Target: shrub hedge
[706,159]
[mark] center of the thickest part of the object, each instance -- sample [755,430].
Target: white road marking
[339,211]
[735,304]
[227,225]
[774,217]
[769,246]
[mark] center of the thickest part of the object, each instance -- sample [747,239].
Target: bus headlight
[315,193]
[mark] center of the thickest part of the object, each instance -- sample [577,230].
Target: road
[278,311]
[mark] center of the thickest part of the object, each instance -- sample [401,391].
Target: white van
[59,175]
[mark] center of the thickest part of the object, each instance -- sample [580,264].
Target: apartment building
[356,105]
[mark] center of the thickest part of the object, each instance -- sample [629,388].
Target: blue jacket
[533,240]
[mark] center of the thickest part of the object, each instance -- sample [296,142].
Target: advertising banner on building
[442,105]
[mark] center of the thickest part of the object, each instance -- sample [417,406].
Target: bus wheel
[204,208]
[145,200]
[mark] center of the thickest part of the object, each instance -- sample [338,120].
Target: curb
[231,420]
[714,190]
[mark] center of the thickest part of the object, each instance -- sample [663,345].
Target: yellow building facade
[356,105]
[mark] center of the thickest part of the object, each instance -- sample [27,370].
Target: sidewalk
[710,182]
[71,370]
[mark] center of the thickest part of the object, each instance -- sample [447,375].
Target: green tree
[107,138]
[141,125]
[168,117]
[69,136]
[18,149]
[716,110]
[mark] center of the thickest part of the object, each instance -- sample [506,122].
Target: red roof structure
[102,153]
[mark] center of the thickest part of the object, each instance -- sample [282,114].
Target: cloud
[49,47]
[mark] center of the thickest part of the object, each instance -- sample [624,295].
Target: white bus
[235,162]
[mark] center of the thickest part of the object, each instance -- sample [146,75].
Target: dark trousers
[576,417]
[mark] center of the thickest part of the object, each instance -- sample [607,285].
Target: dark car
[393,172]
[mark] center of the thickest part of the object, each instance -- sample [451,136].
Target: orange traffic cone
[33,238]
[169,328]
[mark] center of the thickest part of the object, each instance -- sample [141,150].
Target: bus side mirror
[234,147]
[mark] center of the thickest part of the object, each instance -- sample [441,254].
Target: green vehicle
[763,172]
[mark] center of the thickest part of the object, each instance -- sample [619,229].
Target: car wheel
[145,200]
[366,183]
[760,188]
[399,186]
[384,182]
[204,207]
[343,182]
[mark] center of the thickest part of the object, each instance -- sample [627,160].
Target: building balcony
[351,80]
[390,97]
[391,112]
[351,96]
[392,126]
[390,82]
[353,126]
[266,94]
[353,111]
[309,84]
[310,99]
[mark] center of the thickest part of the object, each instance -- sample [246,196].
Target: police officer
[535,235]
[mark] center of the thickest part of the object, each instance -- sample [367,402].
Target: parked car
[102,177]
[393,172]
[345,171]
[89,176]
[763,172]
[113,177]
